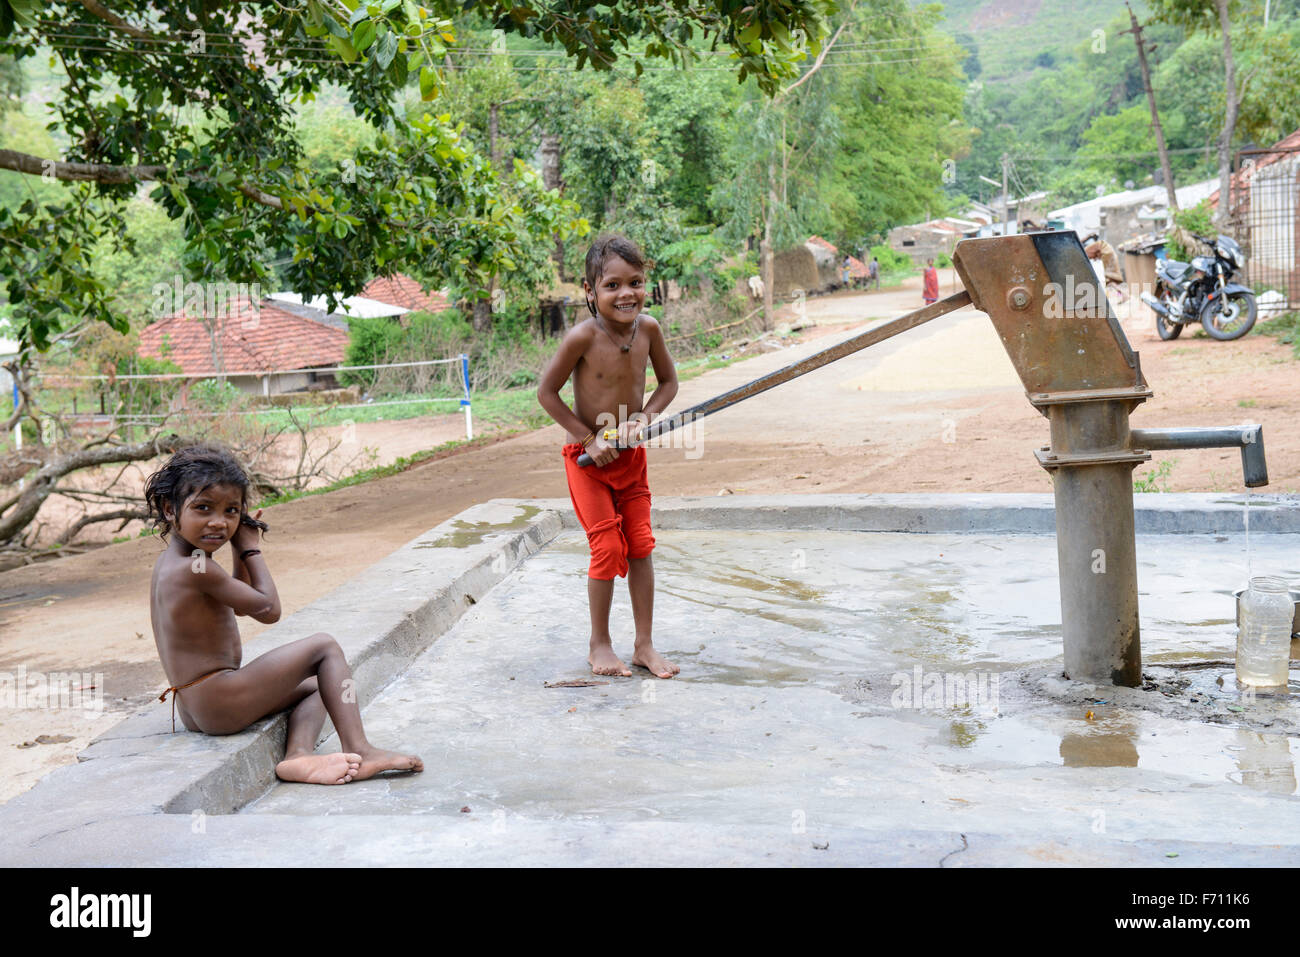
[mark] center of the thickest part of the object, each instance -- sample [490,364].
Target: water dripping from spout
[1245,501]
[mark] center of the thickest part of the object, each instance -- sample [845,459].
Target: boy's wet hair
[602,250]
[190,471]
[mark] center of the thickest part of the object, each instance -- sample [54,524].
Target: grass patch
[500,409]
[1286,328]
[1247,403]
[1155,480]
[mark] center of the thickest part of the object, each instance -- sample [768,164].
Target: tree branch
[43,483]
[258,196]
[126,514]
[102,173]
[816,65]
[85,172]
[116,22]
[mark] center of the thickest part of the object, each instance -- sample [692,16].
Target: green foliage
[149,395]
[899,123]
[1286,328]
[691,260]
[1200,220]
[1155,479]
[222,137]
[151,252]
[371,341]
[891,261]
[216,395]
[437,335]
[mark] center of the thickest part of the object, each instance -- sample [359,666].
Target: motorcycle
[1203,291]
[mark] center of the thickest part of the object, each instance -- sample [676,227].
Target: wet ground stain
[473,533]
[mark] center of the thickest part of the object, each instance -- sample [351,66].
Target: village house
[258,346]
[278,343]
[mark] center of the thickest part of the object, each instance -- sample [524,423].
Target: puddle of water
[473,533]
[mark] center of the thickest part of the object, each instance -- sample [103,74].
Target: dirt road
[938,409]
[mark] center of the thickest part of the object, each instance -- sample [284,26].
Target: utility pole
[1006,199]
[1165,169]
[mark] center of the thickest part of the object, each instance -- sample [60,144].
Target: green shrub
[215,395]
[1199,219]
[143,395]
[370,342]
[1286,328]
[436,335]
[891,261]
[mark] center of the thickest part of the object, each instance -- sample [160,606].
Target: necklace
[626,348]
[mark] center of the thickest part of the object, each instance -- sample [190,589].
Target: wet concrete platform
[866,680]
[836,687]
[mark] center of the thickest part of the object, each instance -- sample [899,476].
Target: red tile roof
[856,267]
[255,337]
[402,290]
[1241,180]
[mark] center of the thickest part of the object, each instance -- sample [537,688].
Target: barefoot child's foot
[603,661]
[319,768]
[375,761]
[655,663]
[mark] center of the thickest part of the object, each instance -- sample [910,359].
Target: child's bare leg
[641,587]
[601,657]
[232,701]
[301,762]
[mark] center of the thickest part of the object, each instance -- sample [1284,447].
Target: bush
[370,342]
[215,395]
[1286,328]
[1199,219]
[893,265]
[436,335]
[148,395]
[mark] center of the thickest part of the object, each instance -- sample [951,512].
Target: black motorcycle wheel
[1166,329]
[1230,317]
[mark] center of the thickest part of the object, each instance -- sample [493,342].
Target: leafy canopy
[197,97]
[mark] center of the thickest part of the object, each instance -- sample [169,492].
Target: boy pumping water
[606,357]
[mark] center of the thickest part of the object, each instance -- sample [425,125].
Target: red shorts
[613,505]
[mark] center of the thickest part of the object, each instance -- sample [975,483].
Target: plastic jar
[1264,636]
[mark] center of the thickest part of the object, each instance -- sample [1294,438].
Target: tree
[199,98]
[237,177]
[1209,15]
[902,131]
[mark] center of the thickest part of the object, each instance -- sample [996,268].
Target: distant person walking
[873,272]
[844,270]
[930,283]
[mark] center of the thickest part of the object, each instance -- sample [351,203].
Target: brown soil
[938,409]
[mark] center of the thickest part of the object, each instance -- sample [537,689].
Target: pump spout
[1249,438]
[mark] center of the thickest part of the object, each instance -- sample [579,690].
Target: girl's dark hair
[602,250]
[190,471]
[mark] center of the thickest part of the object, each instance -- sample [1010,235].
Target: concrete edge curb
[1024,513]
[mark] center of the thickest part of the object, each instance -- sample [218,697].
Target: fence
[180,404]
[1264,207]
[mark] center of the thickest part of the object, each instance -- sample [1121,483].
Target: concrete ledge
[1024,513]
[383,618]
